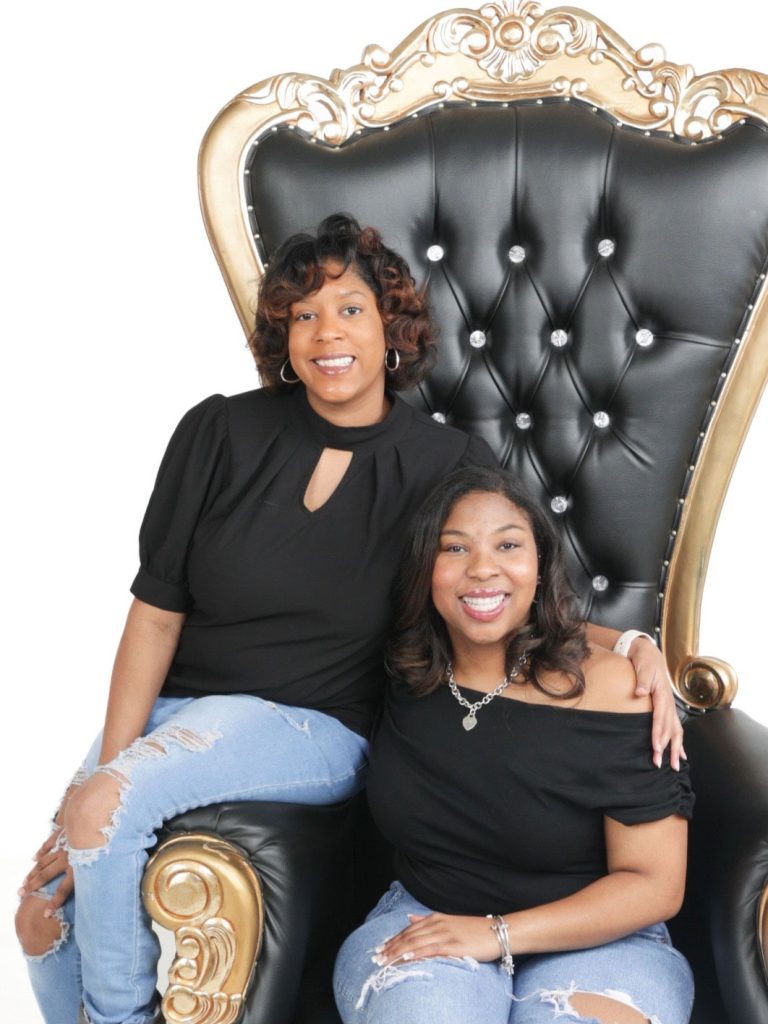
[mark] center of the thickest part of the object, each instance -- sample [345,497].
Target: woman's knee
[37,933]
[437,990]
[90,812]
[606,1010]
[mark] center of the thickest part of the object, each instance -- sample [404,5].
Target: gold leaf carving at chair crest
[507,50]
[207,893]
[515,49]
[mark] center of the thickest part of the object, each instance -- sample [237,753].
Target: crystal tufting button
[606,246]
[601,419]
[516,254]
[599,583]
[477,339]
[439,417]
[644,337]
[435,253]
[523,420]
[559,338]
[559,504]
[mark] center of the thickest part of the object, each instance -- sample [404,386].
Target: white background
[117,320]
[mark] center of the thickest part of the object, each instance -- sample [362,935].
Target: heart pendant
[469,722]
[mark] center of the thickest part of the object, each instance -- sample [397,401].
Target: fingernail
[407,956]
[21,891]
[378,960]
[48,913]
[378,949]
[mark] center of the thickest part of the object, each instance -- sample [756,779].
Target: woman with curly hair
[251,663]
[538,849]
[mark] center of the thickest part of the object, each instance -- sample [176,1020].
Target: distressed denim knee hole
[400,970]
[562,1003]
[27,925]
[145,748]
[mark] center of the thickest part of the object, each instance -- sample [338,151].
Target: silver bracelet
[626,639]
[501,931]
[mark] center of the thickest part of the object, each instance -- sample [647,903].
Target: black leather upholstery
[689,225]
[728,867]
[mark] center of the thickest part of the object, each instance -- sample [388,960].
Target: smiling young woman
[538,849]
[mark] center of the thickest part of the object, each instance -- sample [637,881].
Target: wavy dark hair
[554,636]
[299,267]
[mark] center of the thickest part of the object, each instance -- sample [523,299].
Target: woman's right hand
[51,860]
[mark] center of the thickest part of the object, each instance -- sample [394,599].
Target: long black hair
[553,637]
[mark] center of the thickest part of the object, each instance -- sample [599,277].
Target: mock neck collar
[386,432]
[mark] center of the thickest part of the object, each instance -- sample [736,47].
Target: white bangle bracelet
[624,642]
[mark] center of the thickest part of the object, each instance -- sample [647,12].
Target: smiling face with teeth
[336,347]
[484,577]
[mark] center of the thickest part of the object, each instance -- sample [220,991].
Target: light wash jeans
[195,751]
[642,970]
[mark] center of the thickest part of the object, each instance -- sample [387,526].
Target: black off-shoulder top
[510,815]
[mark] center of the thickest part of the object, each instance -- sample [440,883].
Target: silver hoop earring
[285,379]
[397,360]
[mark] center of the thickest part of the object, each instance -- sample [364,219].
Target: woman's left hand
[441,935]
[653,678]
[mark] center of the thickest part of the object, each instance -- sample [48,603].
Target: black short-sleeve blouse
[288,604]
[510,815]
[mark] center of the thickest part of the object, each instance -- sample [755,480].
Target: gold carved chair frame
[505,51]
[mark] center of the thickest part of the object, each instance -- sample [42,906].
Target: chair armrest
[301,856]
[728,871]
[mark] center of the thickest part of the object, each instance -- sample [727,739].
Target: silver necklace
[469,721]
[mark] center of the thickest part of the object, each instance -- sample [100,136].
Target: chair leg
[206,892]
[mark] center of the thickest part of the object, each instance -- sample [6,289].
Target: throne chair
[591,223]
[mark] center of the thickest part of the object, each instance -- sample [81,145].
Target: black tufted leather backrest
[590,283]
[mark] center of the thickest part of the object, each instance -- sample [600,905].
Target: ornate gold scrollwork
[206,892]
[707,683]
[507,50]
[499,48]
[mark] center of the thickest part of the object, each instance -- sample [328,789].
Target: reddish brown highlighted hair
[299,268]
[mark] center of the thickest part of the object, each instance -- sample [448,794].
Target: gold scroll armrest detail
[707,683]
[204,890]
[762,928]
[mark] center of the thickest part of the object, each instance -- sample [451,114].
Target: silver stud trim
[559,338]
[601,420]
[599,583]
[438,417]
[644,337]
[516,254]
[523,421]
[559,504]
[477,339]
[435,253]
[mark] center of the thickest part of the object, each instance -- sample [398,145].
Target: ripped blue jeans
[642,970]
[195,751]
